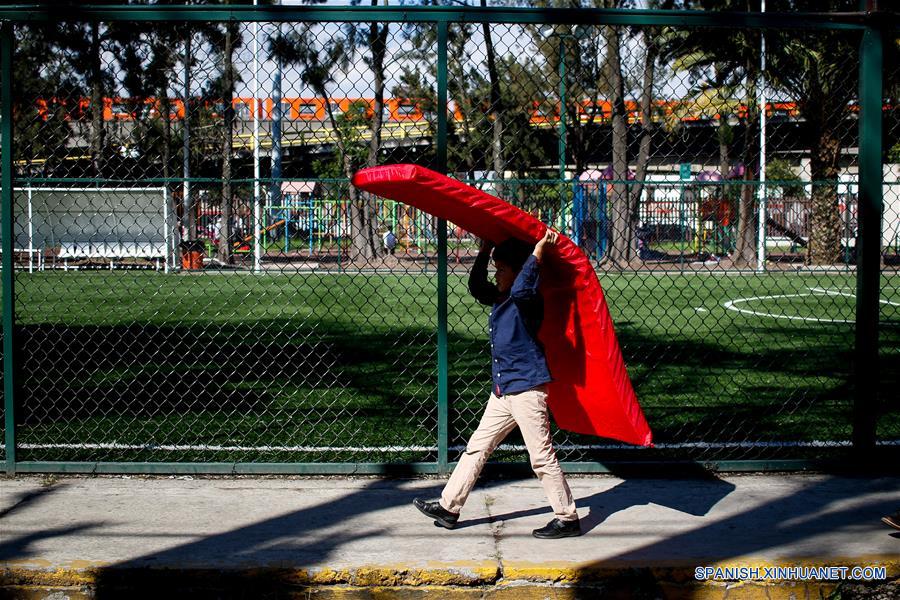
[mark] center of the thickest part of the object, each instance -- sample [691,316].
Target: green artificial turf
[298,367]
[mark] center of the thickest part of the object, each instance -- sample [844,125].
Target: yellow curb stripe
[464,573]
[680,571]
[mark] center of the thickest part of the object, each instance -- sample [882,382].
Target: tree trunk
[97,129]
[745,252]
[825,220]
[646,126]
[361,236]
[496,108]
[362,244]
[365,243]
[620,246]
[224,253]
[456,58]
[377,43]
[165,110]
[726,137]
[166,156]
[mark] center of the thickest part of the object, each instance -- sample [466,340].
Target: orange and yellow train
[396,110]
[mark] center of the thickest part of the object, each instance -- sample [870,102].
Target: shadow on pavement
[21,548]
[263,559]
[260,560]
[275,549]
[30,498]
[629,493]
[790,524]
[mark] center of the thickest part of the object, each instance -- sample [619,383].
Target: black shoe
[441,516]
[558,529]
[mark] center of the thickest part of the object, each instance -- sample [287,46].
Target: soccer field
[306,367]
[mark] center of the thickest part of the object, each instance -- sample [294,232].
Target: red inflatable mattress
[591,392]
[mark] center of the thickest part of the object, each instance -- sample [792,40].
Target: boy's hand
[486,246]
[550,238]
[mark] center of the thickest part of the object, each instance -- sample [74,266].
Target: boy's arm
[479,286]
[525,287]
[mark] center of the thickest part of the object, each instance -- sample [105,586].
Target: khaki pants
[528,410]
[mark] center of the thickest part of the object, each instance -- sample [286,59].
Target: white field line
[507,447]
[730,305]
[833,292]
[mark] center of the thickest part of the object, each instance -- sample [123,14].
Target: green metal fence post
[868,241]
[443,399]
[6,207]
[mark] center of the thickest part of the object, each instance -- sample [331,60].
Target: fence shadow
[810,522]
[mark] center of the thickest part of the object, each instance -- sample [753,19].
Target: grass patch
[258,363]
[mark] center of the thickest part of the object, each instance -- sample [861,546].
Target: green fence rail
[191,285]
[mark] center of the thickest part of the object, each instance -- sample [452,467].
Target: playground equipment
[319,222]
[264,230]
[589,223]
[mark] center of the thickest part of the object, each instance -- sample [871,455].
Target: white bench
[112,251]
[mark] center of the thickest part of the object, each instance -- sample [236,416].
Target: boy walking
[519,396]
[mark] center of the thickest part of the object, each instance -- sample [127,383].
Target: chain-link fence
[196,281]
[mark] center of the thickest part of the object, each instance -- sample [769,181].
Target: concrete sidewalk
[337,537]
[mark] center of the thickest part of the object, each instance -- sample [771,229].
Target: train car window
[336,108]
[406,110]
[306,109]
[242,112]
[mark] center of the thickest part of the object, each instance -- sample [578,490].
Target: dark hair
[513,252]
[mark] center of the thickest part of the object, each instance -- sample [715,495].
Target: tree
[319,63]
[521,84]
[586,83]
[45,94]
[723,83]
[475,132]
[816,69]
[620,248]
[84,44]
[496,105]
[625,198]
[225,39]
[147,63]
[375,40]
[351,125]
[820,71]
